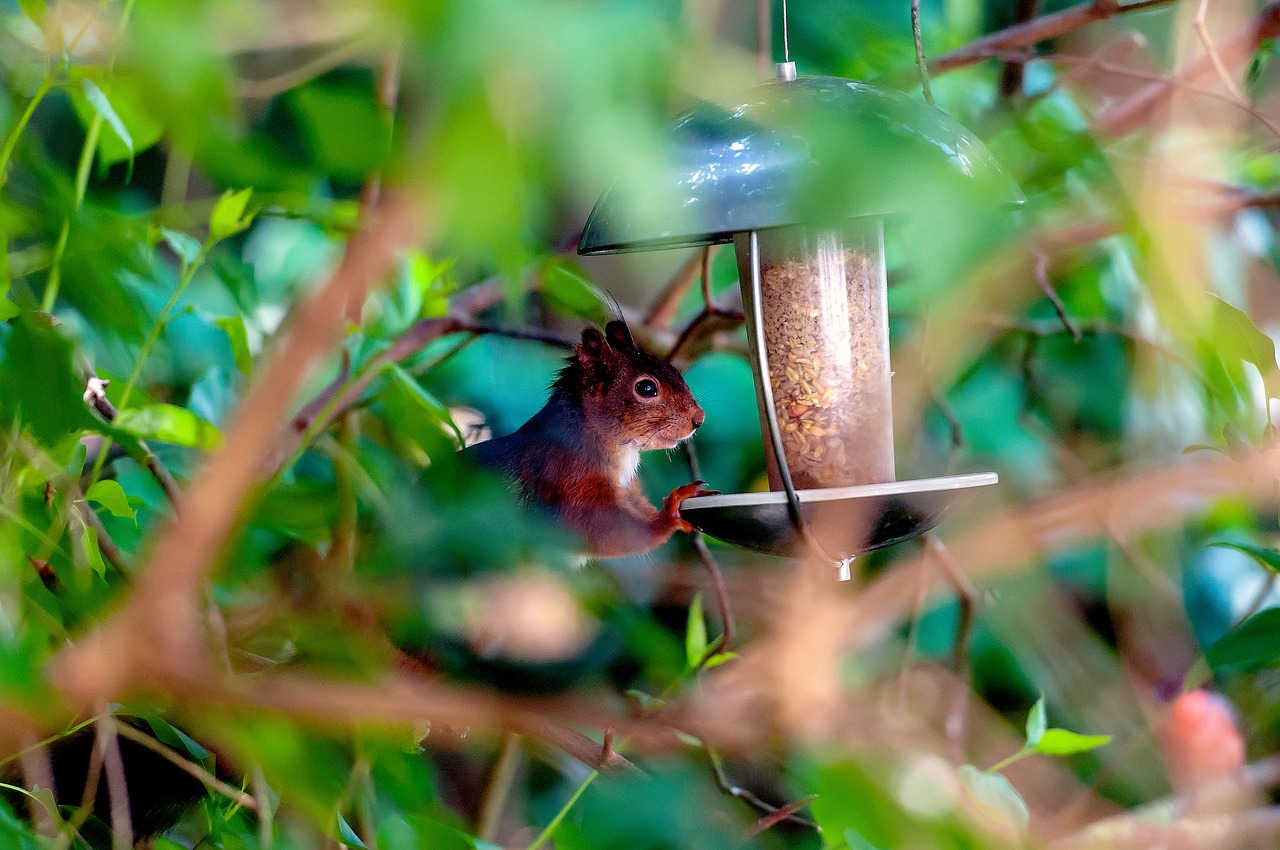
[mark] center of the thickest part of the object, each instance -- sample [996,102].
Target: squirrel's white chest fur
[628,463]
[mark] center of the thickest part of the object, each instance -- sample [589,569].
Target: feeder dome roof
[810,150]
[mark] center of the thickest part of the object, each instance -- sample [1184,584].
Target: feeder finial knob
[786,71]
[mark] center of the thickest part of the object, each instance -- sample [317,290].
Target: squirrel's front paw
[671,504]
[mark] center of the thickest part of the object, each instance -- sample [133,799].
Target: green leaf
[855,841]
[995,792]
[1269,558]
[186,247]
[39,384]
[89,540]
[1060,742]
[1036,723]
[98,100]
[719,658]
[568,290]
[133,107]
[175,738]
[695,635]
[1237,333]
[169,424]
[227,217]
[110,495]
[233,327]
[348,835]
[428,403]
[33,9]
[1255,644]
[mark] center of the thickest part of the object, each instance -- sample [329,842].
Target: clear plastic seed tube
[826,330]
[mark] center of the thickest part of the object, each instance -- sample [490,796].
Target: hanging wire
[786,47]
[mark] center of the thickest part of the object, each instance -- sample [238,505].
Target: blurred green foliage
[176,174]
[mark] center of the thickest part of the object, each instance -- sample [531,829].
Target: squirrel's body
[577,456]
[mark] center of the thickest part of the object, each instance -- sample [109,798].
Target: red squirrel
[578,455]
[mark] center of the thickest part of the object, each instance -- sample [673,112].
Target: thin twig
[966,599]
[188,767]
[921,64]
[772,819]
[664,309]
[108,742]
[268,87]
[110,551]
[722,782]
[1012,73]
[1201,28]
[1046,286]
[606,746]
[720,588]
[499,789]
[955,430]
[266,830]
[1126,116]
[95,395]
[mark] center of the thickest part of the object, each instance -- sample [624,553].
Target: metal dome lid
[808,150]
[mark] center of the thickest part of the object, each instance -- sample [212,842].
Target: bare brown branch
[1130,114]
[161,624]
[1036,30]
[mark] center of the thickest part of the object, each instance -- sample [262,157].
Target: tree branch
[1126,116]
[160,626]
[1034,31]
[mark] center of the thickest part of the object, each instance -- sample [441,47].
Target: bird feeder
[800,175]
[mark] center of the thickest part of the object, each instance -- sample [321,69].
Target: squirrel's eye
[646,388]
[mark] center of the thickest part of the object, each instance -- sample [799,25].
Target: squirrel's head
[628,393]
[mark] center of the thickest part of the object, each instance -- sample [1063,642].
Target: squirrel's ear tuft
[592,341]
[592,354]
[619,335]
[591,349]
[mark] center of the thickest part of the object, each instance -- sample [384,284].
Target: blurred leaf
[426,402]
[1242,337]
[169,424]
[1060,742]
[111,496]
[89,540]
[569,291]
[39,383]
[33,9]
[695,635]
[228,217]
[854,841]
[102,105]
[1036,723]
[995,792]
[1269,558]
[176,738]
[346,132]
[348,835]
[718,659]
[233,327]
[128,104]
[1254,644]
[186,247]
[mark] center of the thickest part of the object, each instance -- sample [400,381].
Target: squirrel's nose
[698,419]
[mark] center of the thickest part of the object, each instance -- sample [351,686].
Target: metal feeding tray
[846,521]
